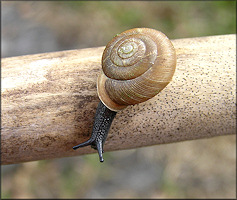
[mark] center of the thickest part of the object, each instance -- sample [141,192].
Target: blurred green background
[193,169]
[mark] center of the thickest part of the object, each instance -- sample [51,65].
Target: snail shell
[137,64]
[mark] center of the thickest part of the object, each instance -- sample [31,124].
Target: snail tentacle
[86,143]
[99,146]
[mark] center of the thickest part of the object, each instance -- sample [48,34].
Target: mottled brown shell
[137,64]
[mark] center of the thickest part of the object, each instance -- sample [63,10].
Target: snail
[136,65]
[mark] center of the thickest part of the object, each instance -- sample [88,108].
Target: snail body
[103,121]
[136,65]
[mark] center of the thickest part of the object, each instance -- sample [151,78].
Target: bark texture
[49,101]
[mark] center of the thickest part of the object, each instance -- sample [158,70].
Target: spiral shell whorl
[137,64]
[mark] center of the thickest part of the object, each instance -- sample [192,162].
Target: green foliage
[182,18]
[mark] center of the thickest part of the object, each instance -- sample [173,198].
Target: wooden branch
[49,101]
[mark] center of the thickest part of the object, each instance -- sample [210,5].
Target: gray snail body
[137,64]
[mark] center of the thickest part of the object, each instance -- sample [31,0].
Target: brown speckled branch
[49,101]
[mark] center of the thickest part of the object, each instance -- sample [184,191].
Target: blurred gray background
[193,169]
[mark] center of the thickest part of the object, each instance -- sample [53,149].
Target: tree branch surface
[49,101]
